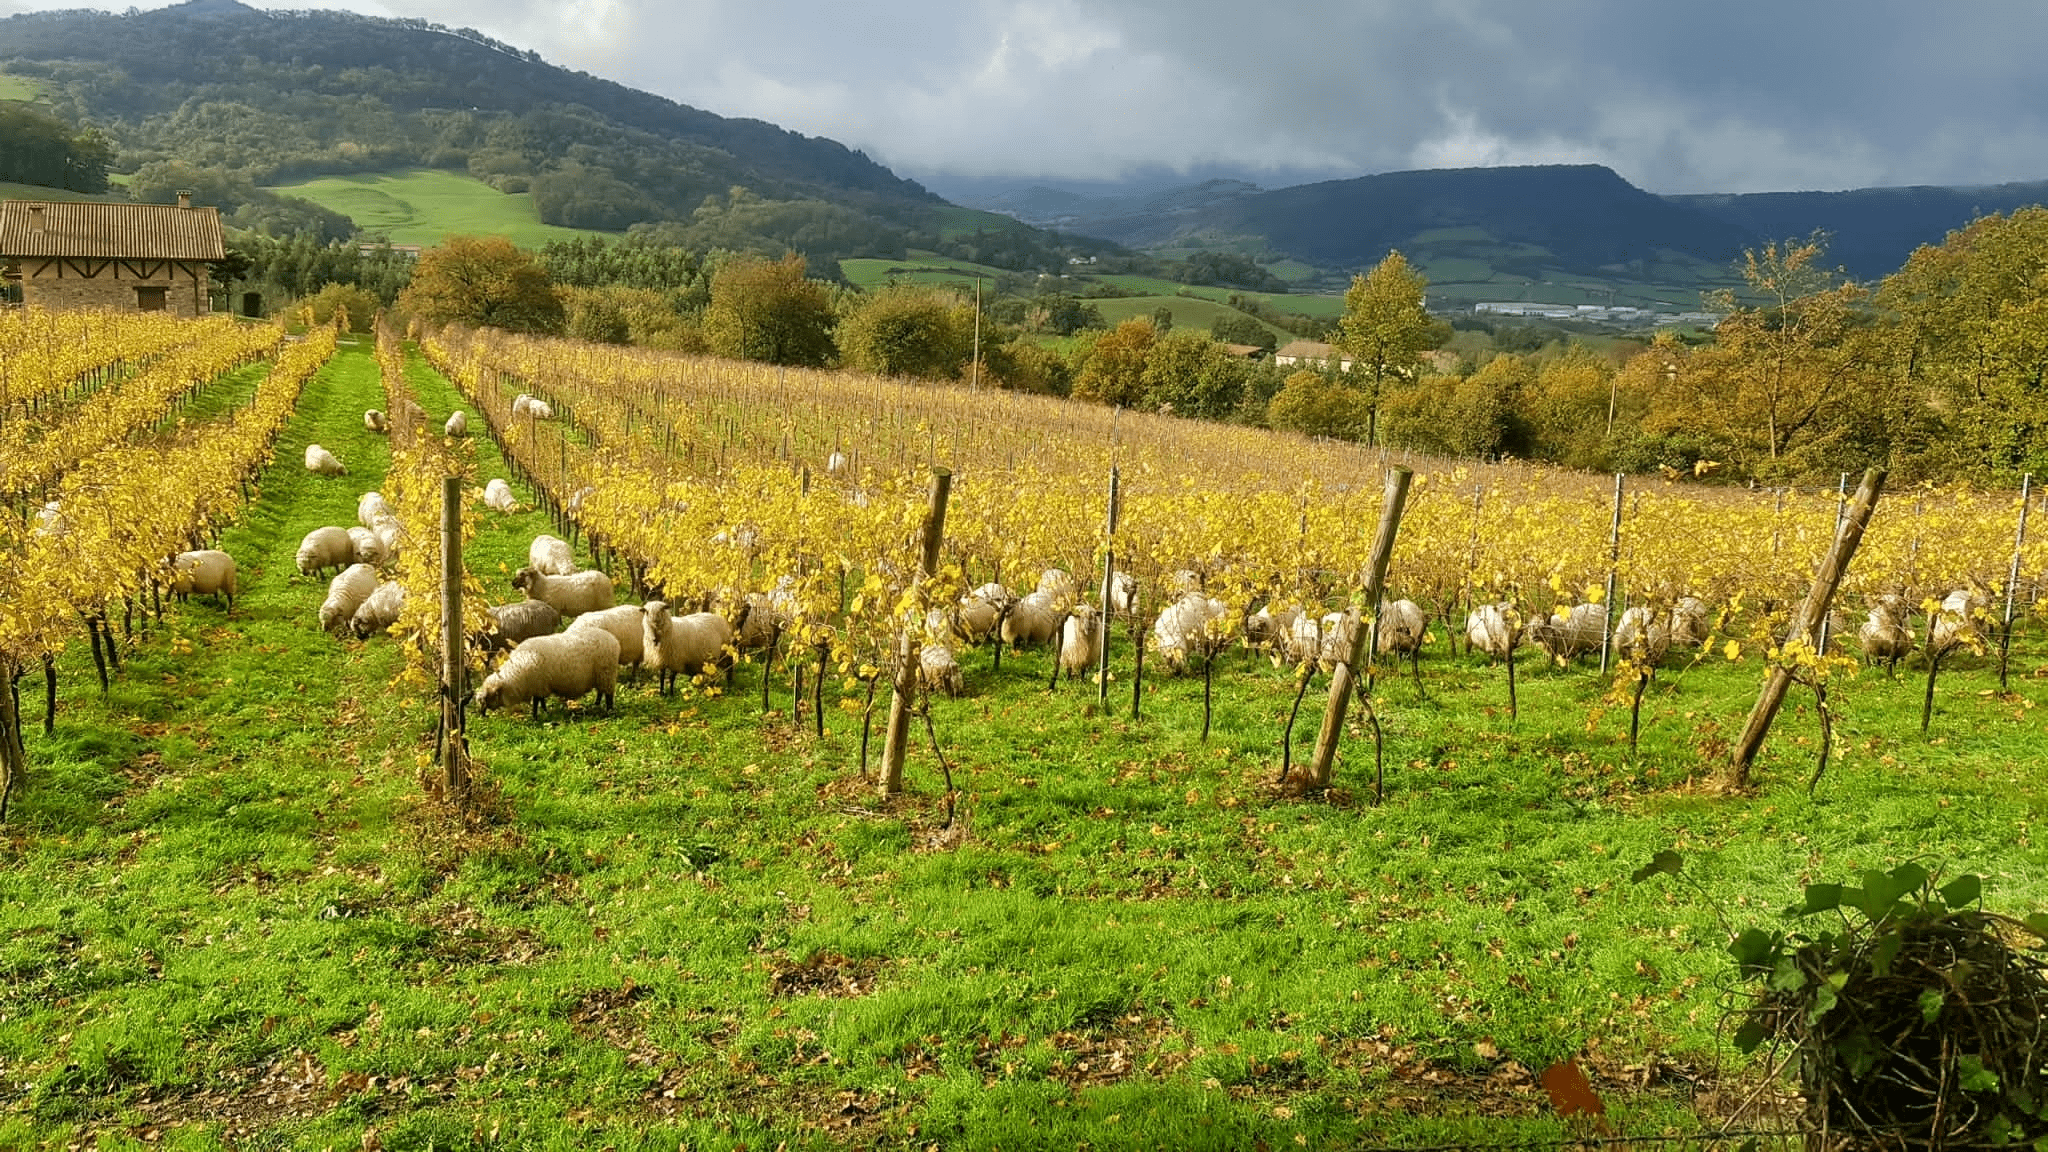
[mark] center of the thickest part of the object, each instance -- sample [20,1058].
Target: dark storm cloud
[1736,95]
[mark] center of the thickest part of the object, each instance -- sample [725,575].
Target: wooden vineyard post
[1613,562]
[1108,581]
[1806,623]
[2012,579]
[454,772]
[1341,681]
[896,739]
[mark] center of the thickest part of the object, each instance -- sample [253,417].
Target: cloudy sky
[1710,95]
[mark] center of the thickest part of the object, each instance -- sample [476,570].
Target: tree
[1113,371]
[906,331]
[347,299]
[1385,329]
[1189,374]
[767,310]
[1316,406]
[485,282]
[1238,328]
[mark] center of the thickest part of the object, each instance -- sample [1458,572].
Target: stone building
[119,257]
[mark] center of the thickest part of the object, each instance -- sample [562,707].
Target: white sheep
[566,664]
[1689,621]
[577,498]
[1183,627]
[1956,623]
[1033,619]
[1885,636]
[1402,629]
[1302,642]
[980,610]
[762,615]
[1057,584]
[940,670]
[391,534]
[325,548]
[835,464]
[209,572]
[1267,630]
[1123,593]
[1568,634]
[534,406]
[625,622]
[380,611]
[1494,629]
[572,595]
[1337,630]
[319,460]
[376,421]
[345,594]
[519,621]
[1077,642]
[457,425]
[1641,635]
[498,497]
[677,646]
[551,555]
[368,548]
[521,403]
[372,507]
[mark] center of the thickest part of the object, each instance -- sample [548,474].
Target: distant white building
[1310,352]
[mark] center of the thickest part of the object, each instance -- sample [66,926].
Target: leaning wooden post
[454,772]
[1613,562]
[896,740]
[2012,578]
[1806,623]
[1341,681]
[1108,581]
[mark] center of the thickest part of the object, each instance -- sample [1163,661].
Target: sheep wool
[1402,628]
[572,595]
[50,519]
[369,549]
[567,664]
[1885,636]
[376,421]
[551,555]
[625,623]
[1183,627]
[678,646]
[319,460]
[1569,634]
[372,507]
[1957,622]
[325,548]
[1077,642]
[457,425]
[940,671]
[380,611]
[345,594]
[210,572]
[980,610]
[1641,636]
[519,621]
[1494,629]
[498,497]
[1033,619]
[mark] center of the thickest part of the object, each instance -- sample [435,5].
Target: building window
[150,299]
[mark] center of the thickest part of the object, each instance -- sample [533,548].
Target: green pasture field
[425,206]
[870,274]
[12,191]
[956,222]
[1188,312]
[19,87]
[1301,304]
[228,918]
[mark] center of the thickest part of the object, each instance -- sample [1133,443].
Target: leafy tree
[484,282]
[1022,366]
[1385,329]
[38,148]
[596,316]
[907,331]
[1237,328]
[1312,404]
[1190,374]
[1113,370]
[1062,314]
[347,299]
[1162,319]
[767,310]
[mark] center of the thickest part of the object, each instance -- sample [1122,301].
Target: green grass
[1188,312]
[869,274]
[425,206]
[13,191]
[221,904]
[19,87]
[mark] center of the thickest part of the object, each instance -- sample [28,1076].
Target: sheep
[763,615]
[1077,642]
[325,548]
[567,664]
[1269,630]
[940,671]
[1336,632]
[1689,621]
[376,421]
[1568,634]
[1956,622]
[1494,629]
[498,497]
[624,622]
[380,611]
[980,610]
[391,534]
[457,426]
[322,462]
[50,519]
[521,403]
[572,595]
[538,409]
[1302,642]
[1885,635]
[368,548]
[835,464]
[1123,593]
[677,646]
[519,621]
[1059,585]
[1641,634]
[1183,625]
[1032,619]
[576,499]
[551,555]
[372,507]
[345,594]
[206,573]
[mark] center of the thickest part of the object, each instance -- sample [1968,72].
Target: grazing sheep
[1885,636]
[1402,629]
[551,555]
[1302,642]
[1494,629]
[762,615]
[980,610]
[1033,619]
[325,548]
[319,460]
[1184,582]
[1077,642]
[457,425]
[1690,622]
[1059,585]
[1182,627]
[372,507]
[391,534]
[376,421]
[577,498]
[567,664]
[380,611]
[572,595]
[835,464]
[498,497]
[1957,623]
[1268,631]
[368,548]
[1566,635]
[519,621]
[1336,640]
[1641,634]
[525,405]
[1123,593]
[677,646]
[345,594]
[940,671]
[626,623]
[206,573]
[50,519]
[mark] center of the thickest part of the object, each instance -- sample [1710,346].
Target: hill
[1870,230]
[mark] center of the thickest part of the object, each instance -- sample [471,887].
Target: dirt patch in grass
[825,974]
[236,1105]
[463,937]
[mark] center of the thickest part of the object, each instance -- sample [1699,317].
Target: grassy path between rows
[225,920]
